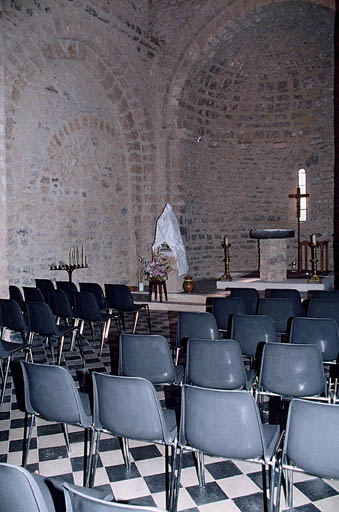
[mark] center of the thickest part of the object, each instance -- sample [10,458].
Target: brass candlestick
[227,275]
[314,277]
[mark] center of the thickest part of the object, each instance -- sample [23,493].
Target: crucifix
[297,197]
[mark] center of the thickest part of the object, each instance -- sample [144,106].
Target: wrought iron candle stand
[227,275]
[314,278]
[68,268]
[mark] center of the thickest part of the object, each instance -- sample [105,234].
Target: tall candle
[226,240]
[314,239]
[82,254]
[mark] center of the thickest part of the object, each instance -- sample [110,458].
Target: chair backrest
[45,285]
[13,316]
[87,307]
[41,319]
[250,296]
[128,407]
[60,304]
[77,500]
[146,356]
[325,294]
[292,370]
[317,331]
[33,294]
[50,392]
[324,308]
[223,309]
[221,423]
[68,287]
[311,440]
[15,294]
[216,365]
[288,293]
[96,289]
[252,330]
[195,325]
[19,491]
[118,296]
[2,318]
[282,310]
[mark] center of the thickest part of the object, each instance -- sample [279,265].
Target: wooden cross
[297,197]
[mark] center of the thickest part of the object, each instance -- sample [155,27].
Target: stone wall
[112,108]
[80,127]
[249,103]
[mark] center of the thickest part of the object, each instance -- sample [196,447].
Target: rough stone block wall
[79,129]
[252,101]
[111,108]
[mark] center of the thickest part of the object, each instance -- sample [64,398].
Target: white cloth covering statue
[168,231]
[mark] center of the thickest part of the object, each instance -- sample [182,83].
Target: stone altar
[272,253]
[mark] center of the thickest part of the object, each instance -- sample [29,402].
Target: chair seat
[8,347]
[171,423]
[271,436]
[179,371]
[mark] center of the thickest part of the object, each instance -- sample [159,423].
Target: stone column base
[273,259]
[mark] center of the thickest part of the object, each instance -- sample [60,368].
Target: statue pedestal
[174,282]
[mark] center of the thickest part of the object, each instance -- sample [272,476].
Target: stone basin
[272,233]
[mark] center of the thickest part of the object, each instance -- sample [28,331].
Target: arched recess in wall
[75,152]
[247,107]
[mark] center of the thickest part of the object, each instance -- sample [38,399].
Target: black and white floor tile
[231,486]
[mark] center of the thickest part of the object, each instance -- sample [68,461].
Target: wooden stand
[154,286]
[323,255]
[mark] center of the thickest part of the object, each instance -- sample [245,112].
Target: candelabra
[314,278]
[227,275]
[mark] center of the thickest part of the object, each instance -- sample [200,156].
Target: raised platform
[195,301]
[199,301]
[294,280]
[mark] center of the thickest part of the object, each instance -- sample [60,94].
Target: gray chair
[194,325]
[287,293]
[87,310]
[119,296]
[217,365]
[22,491]
[50,392]
[291,371]
[250,297]
[15,294]
[224,308]
[8,349]
[251,332]
[42,322]
[77,500]
[227,424]
[32,294]
[96,289]
[148,356]
[282,310]
[128,407]
[324,308]
[317,331]
[311,444]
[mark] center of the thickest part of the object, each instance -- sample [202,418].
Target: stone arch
[64,39]
[188,49]
[199,223]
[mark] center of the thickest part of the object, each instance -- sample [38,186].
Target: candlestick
[227,275]
[314,278]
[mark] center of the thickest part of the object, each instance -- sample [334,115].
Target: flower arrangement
[157,268]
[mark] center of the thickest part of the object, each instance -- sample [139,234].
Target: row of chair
[117,296]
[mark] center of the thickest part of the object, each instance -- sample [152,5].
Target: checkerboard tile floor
[231,486]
